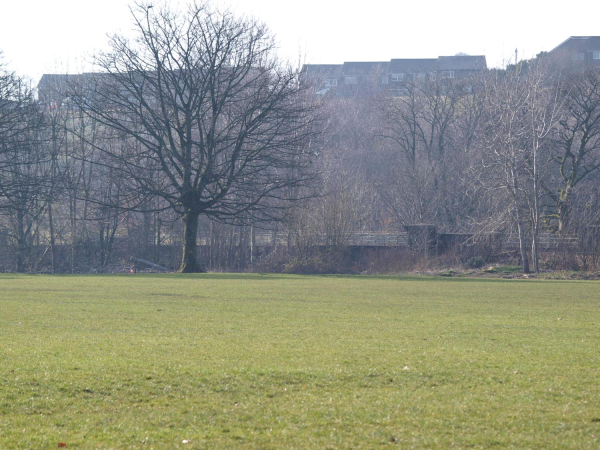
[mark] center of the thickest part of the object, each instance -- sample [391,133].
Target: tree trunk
[520,227]
[73,212]
[534,234]
[52,249]
[21,244]
[158,224]
[230,254]
[535,216]
[211,245]
[534,252]
[102,244]
[522,243]
[252,243]
[189,264]
[563,216]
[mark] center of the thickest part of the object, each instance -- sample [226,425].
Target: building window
[596,54]
[351,80]
[403,92]
[397,76]
[448,74]
[331,82]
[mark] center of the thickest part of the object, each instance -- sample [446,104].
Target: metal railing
[353,239]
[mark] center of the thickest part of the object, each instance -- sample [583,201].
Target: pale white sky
[53,36]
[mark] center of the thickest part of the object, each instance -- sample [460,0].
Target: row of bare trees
[194,133]
[193,118]
[515,151]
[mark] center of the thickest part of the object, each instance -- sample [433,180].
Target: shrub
[475,262]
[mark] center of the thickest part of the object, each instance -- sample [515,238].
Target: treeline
[195,121]
[514,151]
[184,168]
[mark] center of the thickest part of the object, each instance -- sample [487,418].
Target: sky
[61,36]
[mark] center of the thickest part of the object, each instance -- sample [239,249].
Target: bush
[475,262]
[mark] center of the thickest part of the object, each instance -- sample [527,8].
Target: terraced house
[366,78]
[578,52]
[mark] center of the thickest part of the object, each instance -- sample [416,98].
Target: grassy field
[271,361]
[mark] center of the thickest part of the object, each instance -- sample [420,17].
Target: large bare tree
[209,120]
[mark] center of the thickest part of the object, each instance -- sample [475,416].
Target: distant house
[578,52]
[323,76]
[460,65]
[55,87]
[368,77]
[58,90]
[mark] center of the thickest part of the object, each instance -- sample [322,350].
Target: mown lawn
[272,361]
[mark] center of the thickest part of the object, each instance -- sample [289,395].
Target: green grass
[271,361]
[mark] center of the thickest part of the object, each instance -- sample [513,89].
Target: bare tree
[521,112]
[209,119]
[427,131]
[25,166]
[577,143]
